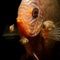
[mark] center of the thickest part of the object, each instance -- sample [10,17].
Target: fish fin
[55,34]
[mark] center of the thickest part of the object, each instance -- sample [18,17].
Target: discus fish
[32,13]
[34,19]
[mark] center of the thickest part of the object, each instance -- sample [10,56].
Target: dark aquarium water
[11,48]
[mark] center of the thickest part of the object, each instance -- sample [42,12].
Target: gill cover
[29,18]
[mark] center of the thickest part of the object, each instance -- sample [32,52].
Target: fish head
[30,18]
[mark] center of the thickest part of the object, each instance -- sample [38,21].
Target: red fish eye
[35,12]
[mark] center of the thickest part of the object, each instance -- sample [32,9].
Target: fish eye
[35,13]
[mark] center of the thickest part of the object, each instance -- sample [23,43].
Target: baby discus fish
[36,27]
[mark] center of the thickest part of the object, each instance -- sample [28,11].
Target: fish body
[35,22]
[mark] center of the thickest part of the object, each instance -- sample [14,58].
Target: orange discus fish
[35,21]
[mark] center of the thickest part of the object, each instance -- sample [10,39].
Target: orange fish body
[32,13]
[31,16]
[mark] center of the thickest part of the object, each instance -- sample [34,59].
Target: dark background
[11,49]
